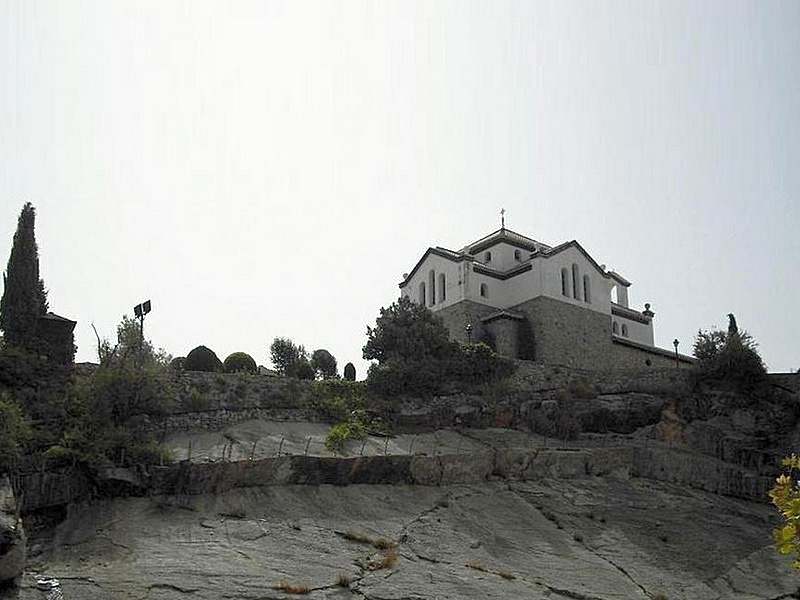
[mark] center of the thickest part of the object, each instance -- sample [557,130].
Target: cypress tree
[24,297]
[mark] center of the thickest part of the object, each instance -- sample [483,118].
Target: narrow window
[422,293]
[432,286]
[484,290]
[442,293]
[564,291]
[614,295]
[517,255]
[488,257]
[624,330]
[587,291]
[614,328]
[576,290]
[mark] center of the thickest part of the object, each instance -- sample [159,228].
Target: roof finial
[502,218]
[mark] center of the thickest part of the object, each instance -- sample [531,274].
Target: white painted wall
[638,332]
[454,291]
[551,280]
[503,256]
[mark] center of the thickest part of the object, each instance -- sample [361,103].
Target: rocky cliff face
[585,538]
[605,489]
[12,535]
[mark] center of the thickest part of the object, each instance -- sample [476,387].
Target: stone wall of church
[505,333]
[565,334]
[627,357]
[457,316]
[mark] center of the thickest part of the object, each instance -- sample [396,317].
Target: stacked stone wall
[505,333]
[627,357]
[457,316]
[568,335]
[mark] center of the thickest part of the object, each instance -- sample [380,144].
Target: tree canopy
[324,364]
[730,355]
[416,357]
[290,359]
[24,297]
[350,372]
[406,331]
[131,347]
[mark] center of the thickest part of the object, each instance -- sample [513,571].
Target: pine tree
[24,297]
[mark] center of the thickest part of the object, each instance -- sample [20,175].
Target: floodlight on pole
[140,310]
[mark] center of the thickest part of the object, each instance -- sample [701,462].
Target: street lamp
[675,343]
[469,332]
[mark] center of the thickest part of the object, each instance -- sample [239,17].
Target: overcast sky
[263,169]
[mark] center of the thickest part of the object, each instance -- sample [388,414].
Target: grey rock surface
[598,538]
[12,535]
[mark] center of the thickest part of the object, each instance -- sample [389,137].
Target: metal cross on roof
[502,218]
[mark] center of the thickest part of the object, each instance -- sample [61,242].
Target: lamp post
[675,343]
[469,332]
[139,311]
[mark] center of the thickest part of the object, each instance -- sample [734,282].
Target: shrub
[340,433]
[324,364]
[335,400]
[477,363]
[239,362]
[178,364]
[350,372]
[730,357]
[14,430]
[785,495]
[202,359]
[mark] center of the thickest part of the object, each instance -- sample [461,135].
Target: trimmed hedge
[239,362]
[202,359]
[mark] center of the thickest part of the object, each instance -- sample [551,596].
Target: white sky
[271,169]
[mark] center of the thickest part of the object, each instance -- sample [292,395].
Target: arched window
[587,290]
[422,293]
[624,330]
[488,257]
[484,290]
[614,294]
[517,255]
[432,286]
[576,289]
[614,328]
[564,291]
[442,282]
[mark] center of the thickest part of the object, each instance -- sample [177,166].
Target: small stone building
[56,333]
[551,304]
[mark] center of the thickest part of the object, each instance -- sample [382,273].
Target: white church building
[552,304]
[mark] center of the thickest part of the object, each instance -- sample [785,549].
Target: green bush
[335,399]
[14,431]
[350,372]
[324,364]
[352,429]
[728,357]
[202,359]
[466,366]
[239,362]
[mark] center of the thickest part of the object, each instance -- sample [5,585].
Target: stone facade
[567,335]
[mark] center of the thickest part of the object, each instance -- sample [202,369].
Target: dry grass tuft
[476,566]
[291,588]
[506,575]
[343,580]
[381,543]
[387,559]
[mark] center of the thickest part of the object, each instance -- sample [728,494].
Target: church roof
[515,239]
[505,235]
